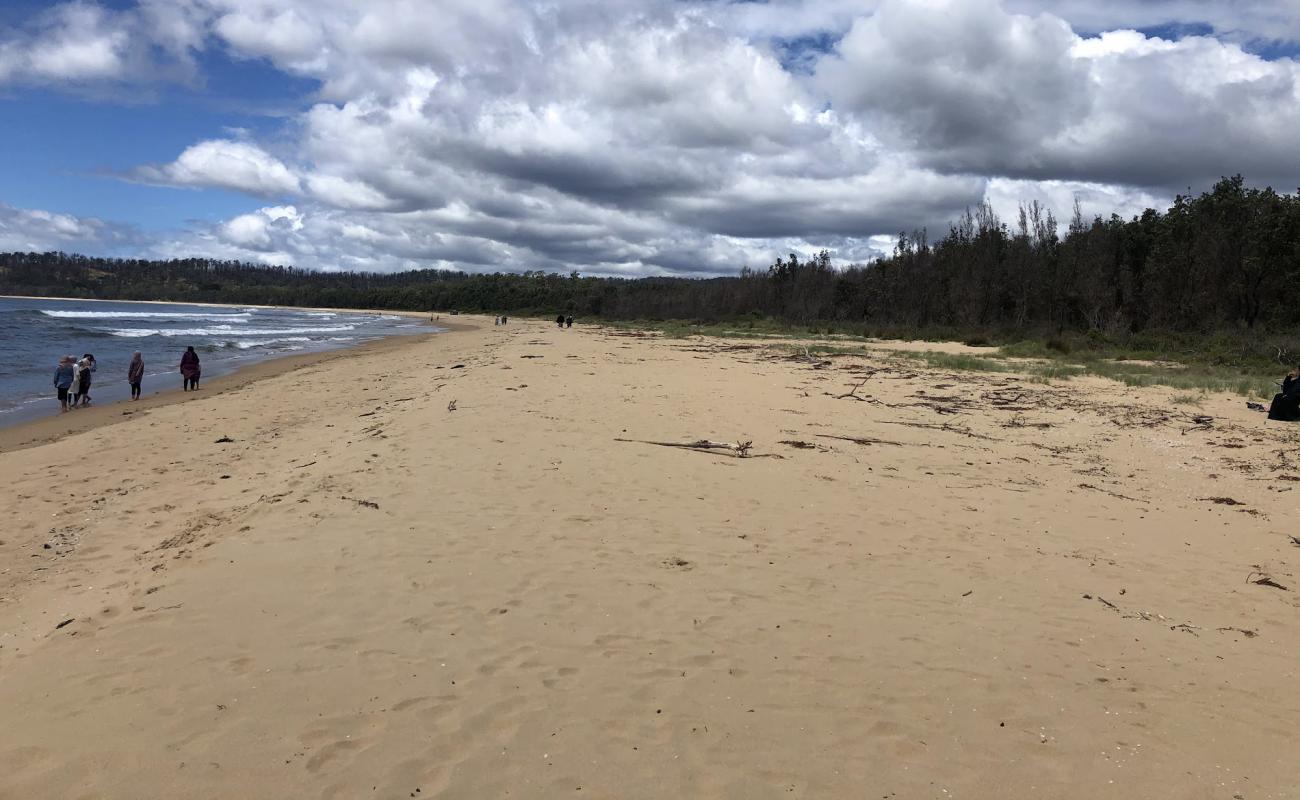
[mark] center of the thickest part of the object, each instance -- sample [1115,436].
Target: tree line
[1227,259]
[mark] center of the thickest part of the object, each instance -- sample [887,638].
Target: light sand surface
[366,594]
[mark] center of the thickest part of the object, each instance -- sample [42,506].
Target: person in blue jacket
[63,376]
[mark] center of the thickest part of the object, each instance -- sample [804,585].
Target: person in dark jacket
[135,374]
[559,321]
[1286,404]
[190,369]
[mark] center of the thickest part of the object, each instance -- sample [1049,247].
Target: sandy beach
[465,566]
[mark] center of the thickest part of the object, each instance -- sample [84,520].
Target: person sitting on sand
[1286,404]
[64,374]
[135,374]
[190,369]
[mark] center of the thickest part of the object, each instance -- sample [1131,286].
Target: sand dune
[940,586]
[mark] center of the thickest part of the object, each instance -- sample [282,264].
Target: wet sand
[914,584]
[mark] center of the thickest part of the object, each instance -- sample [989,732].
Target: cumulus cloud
[226,164]
[631,137]
[37,230]
[263,231]
[84,44]
[970,87]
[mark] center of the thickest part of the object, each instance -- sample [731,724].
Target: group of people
[501,320]
[72,377]
[564,322]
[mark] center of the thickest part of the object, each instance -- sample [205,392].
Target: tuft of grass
[957,361]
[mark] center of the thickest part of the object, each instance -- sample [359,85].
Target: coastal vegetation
[1214,280]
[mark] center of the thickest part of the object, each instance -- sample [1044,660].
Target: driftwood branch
[740,449]
[852,393]
[1264,579]
[816,363]
[946,426]
[865,441]
[1019,421]
[1109,492]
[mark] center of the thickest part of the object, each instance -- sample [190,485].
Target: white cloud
[966,86]
[83,44]
[247,230]
[268,230]
[38,230]
[225,164]
[278,32]
[340,192]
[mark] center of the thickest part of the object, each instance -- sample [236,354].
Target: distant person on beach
[559,321]
[135,374]
[568,321]
[504,319]
[1286,404]
[190,369]
[64,374]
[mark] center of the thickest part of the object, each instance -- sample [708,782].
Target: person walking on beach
[135,374]
[190,369]
[568,321]
[80,389]
[559,321]
[91,366]
[64,374]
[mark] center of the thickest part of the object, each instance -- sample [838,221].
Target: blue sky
[69,146]
[623,137]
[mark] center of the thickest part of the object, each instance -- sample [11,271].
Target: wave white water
[242,316]
[222,330]
[244,344]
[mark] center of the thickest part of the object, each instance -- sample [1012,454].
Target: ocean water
[34,333]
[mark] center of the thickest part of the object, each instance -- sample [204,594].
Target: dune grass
[1230,363]
[1186,377]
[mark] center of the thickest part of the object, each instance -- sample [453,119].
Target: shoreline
[43,430]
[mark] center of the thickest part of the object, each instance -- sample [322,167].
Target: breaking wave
[222,330]
[242,316]
[245,344]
